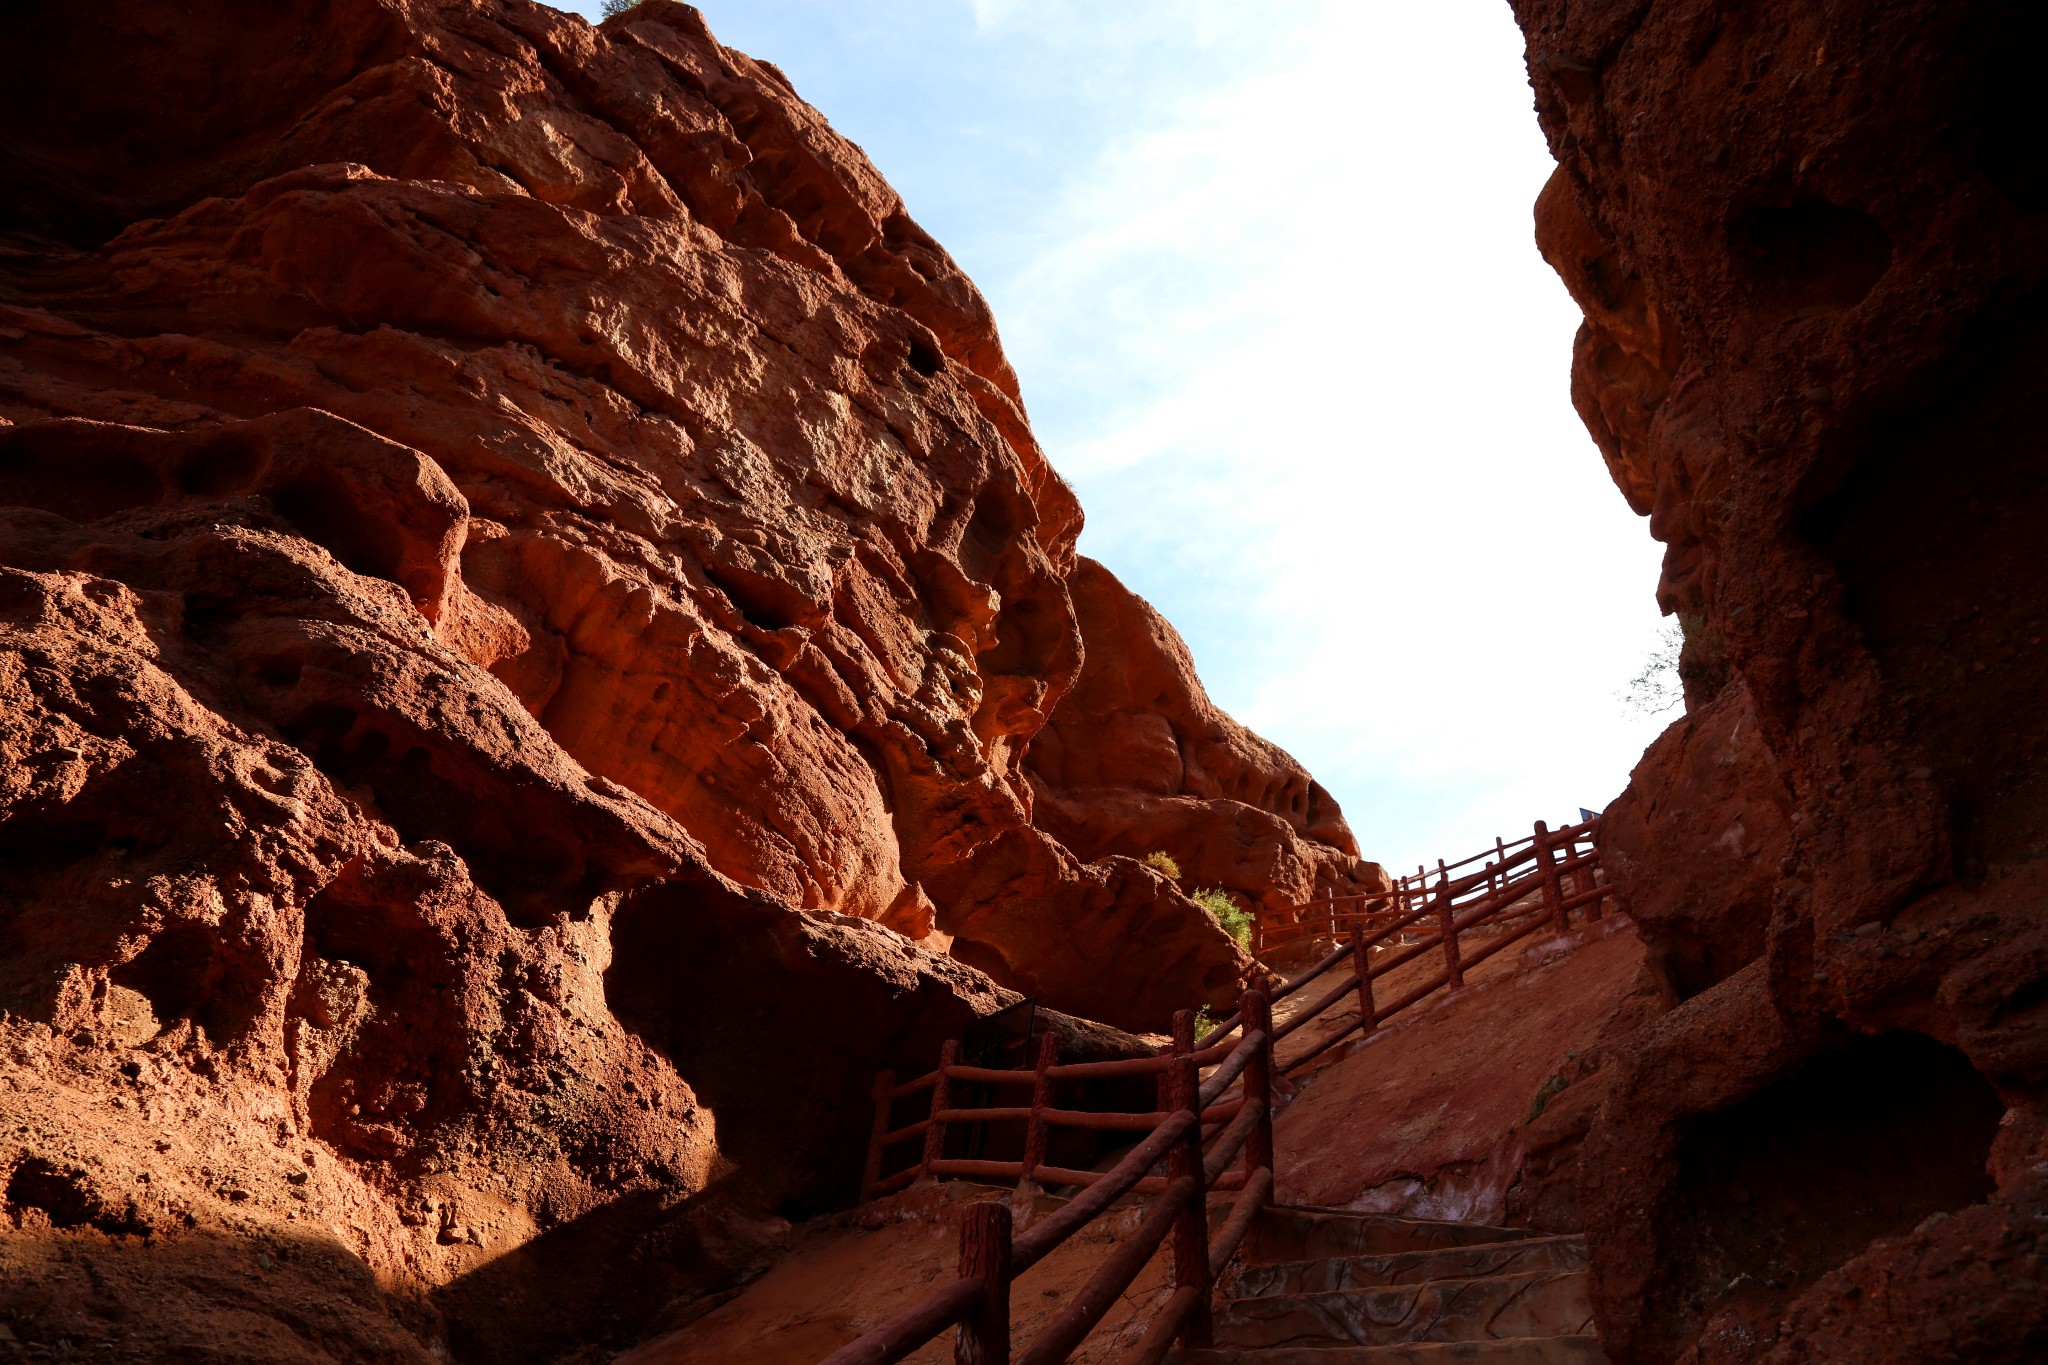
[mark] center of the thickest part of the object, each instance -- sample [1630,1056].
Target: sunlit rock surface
[518,556]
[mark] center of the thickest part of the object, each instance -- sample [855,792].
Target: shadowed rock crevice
[1790,1183]
[696,973]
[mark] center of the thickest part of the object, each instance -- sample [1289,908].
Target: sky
[1267,276]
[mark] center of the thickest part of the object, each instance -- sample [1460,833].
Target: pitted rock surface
[1809,243]
[486,502]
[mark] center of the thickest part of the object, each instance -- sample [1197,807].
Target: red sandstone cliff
[1137,760]
[515,554]
[1810,246]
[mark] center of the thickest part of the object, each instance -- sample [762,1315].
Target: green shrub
[1162,861]
[614,8]
[1545,1093]
[1235,921]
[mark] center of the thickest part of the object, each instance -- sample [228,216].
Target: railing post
[942,1099]
[1454,965]
[871,1174]
[983,1337]
[1163,1091]
[1191,1227]
[1041,1100]
[1553,893]
[1592,872]
[1257,1013]
[1361,961]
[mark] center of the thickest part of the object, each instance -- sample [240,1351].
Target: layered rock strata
[517,557]
[1810,244]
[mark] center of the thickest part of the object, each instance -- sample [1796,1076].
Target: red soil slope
[1426,1117]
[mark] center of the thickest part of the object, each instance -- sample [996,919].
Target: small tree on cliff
[614,8]
[1657,689]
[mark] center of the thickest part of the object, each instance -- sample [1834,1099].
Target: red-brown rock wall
[517,557]
[1809,244]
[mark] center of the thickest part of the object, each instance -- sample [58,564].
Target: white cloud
[989,14]
[1310,377]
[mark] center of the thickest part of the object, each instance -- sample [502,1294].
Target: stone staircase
[1327,1287]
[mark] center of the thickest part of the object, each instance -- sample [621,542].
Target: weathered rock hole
[225,465]
[765,603]
[282,674]
[62,1195]
[49,843]
[66,1197]
[2025,1000]
[1856,1145]
[79,484]
[925,357]
[390,944]
[1809,257]
[363,542]
[181,975]
[208,618]
[387,970]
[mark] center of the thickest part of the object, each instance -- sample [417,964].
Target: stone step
[1573,1350]
[1541,1303]
[1293,1233]
[1333,1273]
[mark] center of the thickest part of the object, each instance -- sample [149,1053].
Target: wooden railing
[1199,1127]
[1503,867]
[1533,885]
[1199,1130]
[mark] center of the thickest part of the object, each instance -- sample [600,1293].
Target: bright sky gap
[1267,277]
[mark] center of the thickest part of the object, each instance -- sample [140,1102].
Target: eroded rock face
[1696,844]
[1810,246]
[516,553]
[1138,760]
